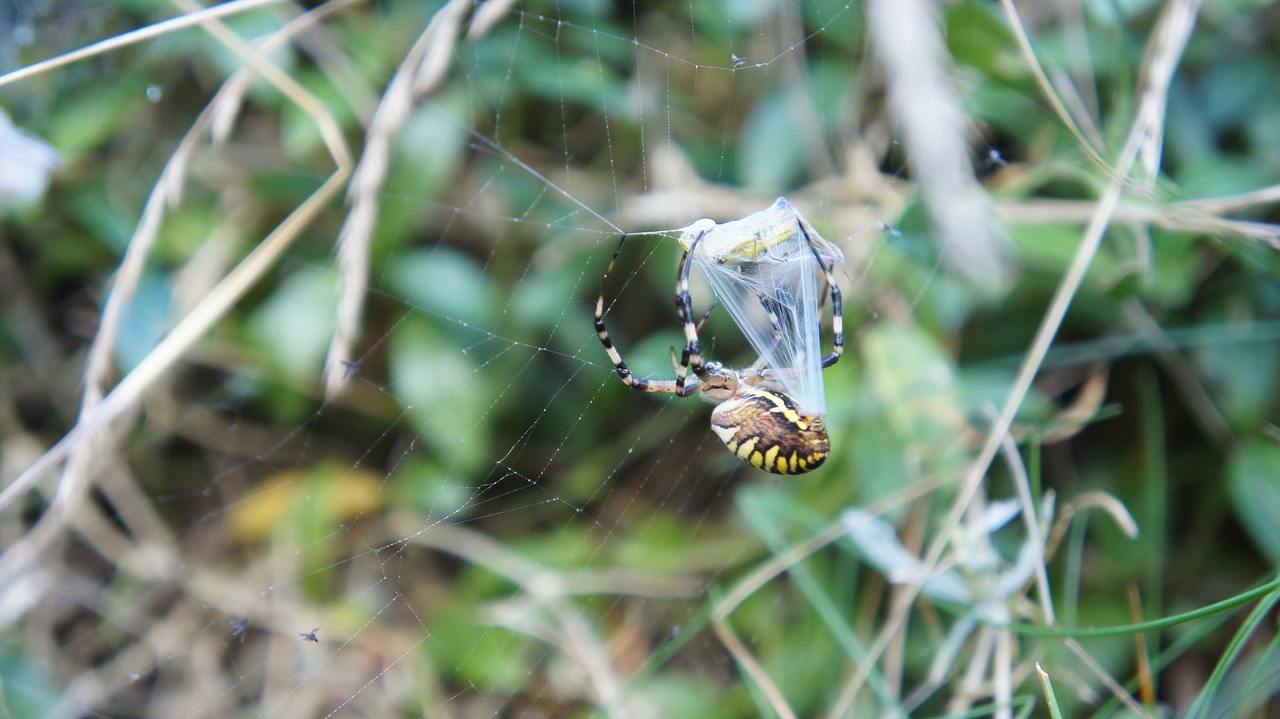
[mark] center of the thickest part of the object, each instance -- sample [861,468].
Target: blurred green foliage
[482,398]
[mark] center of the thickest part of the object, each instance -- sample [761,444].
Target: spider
[763,426]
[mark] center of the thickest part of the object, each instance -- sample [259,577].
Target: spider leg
[768,305]
[679,387]
[679,365]
[691,356]
[707,314]
[603,333]
[837,304]
[684,354]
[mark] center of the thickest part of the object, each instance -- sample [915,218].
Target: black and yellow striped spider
[759,423]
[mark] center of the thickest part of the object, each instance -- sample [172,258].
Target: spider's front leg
[681,365]
[679,387]
[691,357]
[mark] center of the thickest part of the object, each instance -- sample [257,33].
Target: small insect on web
[771,270]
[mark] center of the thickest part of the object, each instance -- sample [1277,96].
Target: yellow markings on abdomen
[767,430]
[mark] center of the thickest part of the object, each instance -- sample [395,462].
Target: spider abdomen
[767,430]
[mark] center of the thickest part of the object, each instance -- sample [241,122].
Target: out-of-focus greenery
[485,493]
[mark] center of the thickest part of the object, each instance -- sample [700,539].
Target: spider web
[482,520]
[480,437]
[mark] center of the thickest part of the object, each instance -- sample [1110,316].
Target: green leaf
[773,151]
[1242,375]
[429,149]
[749,11]
[27,689]
[425,161]
[295,325]
[680,696]
[422,485]
[978,35]
[914,381]
[90,117]
[449,401]
[144,321]
[446,283]
[1254,478]
[911,381]
[487,657]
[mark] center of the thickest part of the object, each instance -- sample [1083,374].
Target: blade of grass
[1155,508]
[1243,636]
[1050,697]
[1270,591]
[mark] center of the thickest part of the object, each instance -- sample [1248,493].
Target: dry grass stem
[1002,674]
[474,527]
[1031,520]
[419,73]
[909,45]
[1188,383]
[1233,203]
[200,15]
[188,330]
[551,591]
[1191,216]
[1049,325]
[1113,686]
[1047,89]
[752,668]
[1168,40]
[488,15]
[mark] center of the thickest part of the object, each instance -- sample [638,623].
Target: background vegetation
[463,513]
